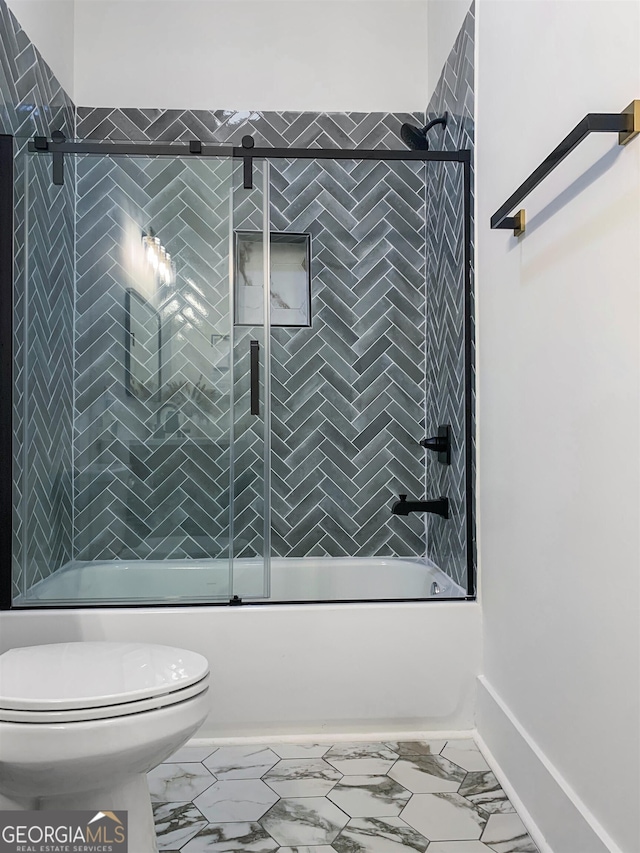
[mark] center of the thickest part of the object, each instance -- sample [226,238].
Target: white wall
[559,386]
[50,24]
[326,55]
[444,19]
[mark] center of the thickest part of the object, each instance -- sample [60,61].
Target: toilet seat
[72,682]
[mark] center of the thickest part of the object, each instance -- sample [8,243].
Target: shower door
[145,402]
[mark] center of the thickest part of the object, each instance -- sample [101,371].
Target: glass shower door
[152,504]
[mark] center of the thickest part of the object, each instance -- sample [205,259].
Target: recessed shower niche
[290,278]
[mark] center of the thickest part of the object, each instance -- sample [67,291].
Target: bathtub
[207,581]
[285,669]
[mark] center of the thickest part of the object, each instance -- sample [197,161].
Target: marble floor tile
[361,759]
[302,777]
[505,833]
[421,796]
[465,754]
[176,823]
[300,750]
[458,847]
[304,821]
[231,838]
[427,774]
[484,791]
[241,762]
[444,817]
[236,800]
[379,835]
[417,747]
[190,753]
[369,796]
[178,783]
[306,849]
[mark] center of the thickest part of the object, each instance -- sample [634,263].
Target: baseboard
[555,816]
[336,737]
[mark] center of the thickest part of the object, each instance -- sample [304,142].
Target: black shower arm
[626,124]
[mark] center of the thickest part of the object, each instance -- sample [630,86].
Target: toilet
[81,724]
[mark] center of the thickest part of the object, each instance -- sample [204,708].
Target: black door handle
[255,377]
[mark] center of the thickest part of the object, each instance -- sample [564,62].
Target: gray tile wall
[33,102]
[348,394]
[140,490]
[445,287]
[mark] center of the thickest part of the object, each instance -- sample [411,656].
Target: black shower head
[416,137]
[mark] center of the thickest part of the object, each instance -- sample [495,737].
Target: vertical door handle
[255,377]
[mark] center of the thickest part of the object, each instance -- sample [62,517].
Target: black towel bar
[626,124]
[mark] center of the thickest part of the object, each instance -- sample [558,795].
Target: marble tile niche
[290,279]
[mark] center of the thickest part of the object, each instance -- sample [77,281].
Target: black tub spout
[439,506]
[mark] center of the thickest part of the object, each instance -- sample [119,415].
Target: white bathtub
[288,669]
[207,581]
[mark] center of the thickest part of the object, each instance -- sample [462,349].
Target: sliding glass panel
[350,374]
[140,507]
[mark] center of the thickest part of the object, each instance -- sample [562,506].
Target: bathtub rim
[34,603]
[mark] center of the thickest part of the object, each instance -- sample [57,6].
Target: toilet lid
[65,676]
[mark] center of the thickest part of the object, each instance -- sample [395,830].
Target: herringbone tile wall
[347,394]
[142,488]
[302,130]
[33,102]
[445,302]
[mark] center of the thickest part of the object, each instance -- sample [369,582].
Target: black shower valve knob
[440,444]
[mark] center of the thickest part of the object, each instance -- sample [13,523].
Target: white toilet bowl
[81,724]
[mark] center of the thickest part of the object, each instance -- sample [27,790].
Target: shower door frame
[247,153]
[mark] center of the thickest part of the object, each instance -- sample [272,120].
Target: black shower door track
[196,149]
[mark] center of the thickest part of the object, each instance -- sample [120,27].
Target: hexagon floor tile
[241,762]
[306,849]
[369,796]
[444,817]
[379,835]
[302,777]
[176,823]
[304,820]
[300,750]
[427,774]
[458,847]
[423,795]
[361,759]
[231,837]
[505,833]
[417,747]
[178,783]
[484,791]
[465,754]
[236,800]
